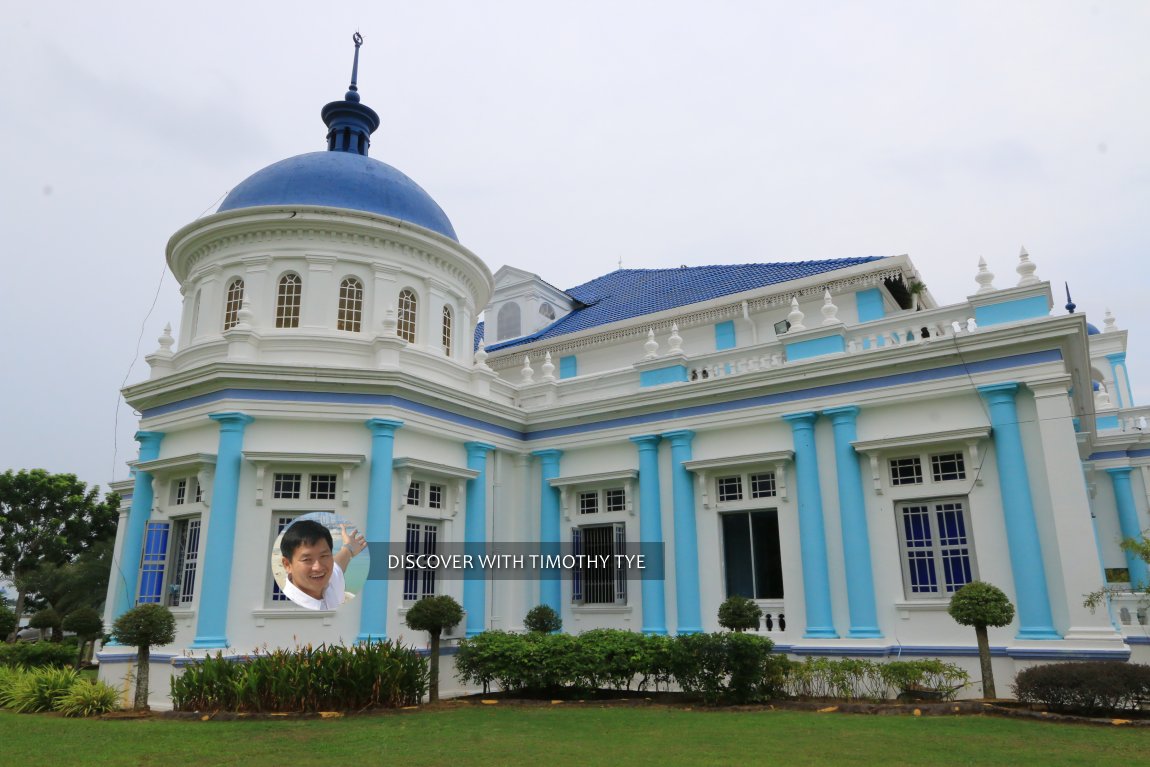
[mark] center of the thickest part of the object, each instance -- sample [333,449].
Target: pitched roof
[627,293]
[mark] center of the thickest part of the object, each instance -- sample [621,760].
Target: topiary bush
[435,615]
[542,619]
[740,614]
[980,604]
[87,625]
[1092,687]
[47,619]
[36,654]
[143,627]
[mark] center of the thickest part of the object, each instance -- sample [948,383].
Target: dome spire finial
[353,90]
[350,123]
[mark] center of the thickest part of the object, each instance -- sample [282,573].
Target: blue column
[651,530]
[1121,376]
[688,616]
[1128,521]
[377,527]
[550,586]
[212,618]
[1034,618]
[852,512]
[127,574]
[812,535]
[475,538]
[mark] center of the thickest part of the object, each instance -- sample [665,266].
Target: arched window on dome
[235,299]
[447,330]
[195,328]
[350,305]
[405,327]
[288,301]
[508,321]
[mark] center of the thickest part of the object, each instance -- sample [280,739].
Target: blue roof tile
[628,293]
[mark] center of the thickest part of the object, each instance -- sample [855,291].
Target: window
[169,562]
[607,499]
[185,561]
[588,503]
[906,471]
[937,553]
[405,327]
[615,499]
[288,301]
[751,562]
[414,493]
[730,489]
[322,487]
[350,305]
[947,467]
[287,486]
[507,321]
[547,310]
[601,583]
[422,540]
[233,302]
[447,330]
[195,329]
[281,523]
[181,492]
[435,496]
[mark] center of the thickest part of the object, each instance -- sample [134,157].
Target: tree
[980,604]
[70,586]
[144,627]
[434,615]
[48,518]
[542,619]
[87,625]
[47,619]
[8,621]
[739,614]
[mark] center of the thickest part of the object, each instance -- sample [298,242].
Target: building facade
[819,436]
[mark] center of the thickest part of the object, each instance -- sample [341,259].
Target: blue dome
[341,180]
[1091,330]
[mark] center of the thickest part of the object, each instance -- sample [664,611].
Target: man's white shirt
[332,595]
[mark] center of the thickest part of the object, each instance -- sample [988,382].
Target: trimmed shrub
[87,624]
[543,620]
[85,698]
[860,679]
[739,614]
[734,668]
[41,689]
[36,654]
[324,678]
[434,615]
[1087,686]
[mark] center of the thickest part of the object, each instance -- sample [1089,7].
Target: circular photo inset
[320,561]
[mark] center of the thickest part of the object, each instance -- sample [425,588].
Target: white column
[1078,570]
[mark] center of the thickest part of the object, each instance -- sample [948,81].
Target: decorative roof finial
[1070,305]
[352,90]
[350,123]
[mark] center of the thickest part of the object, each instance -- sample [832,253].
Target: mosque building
[820,436]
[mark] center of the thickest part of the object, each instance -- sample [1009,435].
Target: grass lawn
[473,734]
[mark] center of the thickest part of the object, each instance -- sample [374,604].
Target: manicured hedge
[720,667]
[1088,686]
[860,679]
[36,654]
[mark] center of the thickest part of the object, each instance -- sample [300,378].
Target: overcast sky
[561,138]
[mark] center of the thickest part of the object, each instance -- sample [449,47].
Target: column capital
[647,441]
[843,414]
[679,437]
[804,420]
[1119,471]
[548,457]
[149,437]
[478,449]
[1000,392]
[379,426]
[1117,358]
[232,420]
